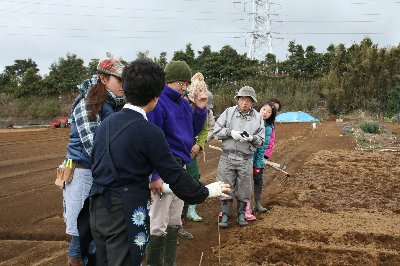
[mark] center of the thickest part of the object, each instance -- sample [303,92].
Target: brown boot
[74,261]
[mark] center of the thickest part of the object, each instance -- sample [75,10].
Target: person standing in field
[268,113]
[126,150]
[210,115]
[180,124]
[241,130]
[197,88]
[99,97]
[271,145]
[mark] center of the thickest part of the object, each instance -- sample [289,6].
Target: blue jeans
[75,248]
[74,195]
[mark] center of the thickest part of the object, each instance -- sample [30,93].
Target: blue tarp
[295,117]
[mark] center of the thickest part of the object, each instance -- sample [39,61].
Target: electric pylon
[260,35]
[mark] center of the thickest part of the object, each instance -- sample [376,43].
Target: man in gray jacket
[241,130]
[210,115]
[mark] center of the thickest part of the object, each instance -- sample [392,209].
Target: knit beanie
[198,88]
[177,71]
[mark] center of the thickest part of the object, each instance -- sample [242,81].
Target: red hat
[110,66]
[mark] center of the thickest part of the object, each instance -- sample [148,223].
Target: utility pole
[260,35]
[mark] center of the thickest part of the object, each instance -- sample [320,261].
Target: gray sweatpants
[238,174]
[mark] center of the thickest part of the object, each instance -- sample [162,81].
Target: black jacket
[137,147]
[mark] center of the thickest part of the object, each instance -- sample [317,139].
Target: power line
[326,21]
[117,8]
[114,30]
[331,33]
[113,37]
[106,16]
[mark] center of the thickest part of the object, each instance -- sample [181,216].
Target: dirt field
[340,207]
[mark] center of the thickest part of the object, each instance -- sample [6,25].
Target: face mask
[116,100]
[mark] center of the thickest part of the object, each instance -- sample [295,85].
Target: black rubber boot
[226,206]
[155,251]
[183,233]
[170,245]
[241,209]
[257,198]
[184,211]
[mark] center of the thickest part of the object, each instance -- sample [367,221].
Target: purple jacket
[180,123]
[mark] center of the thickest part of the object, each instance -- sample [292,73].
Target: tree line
[341,79]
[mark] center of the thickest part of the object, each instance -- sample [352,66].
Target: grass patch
[362,140]
[370,127]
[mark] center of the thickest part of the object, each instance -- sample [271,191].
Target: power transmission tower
[260,35]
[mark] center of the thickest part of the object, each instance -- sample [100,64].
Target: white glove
[236,135]
[217,189]
[166,189]
[249,138]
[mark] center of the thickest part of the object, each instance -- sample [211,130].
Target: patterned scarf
[85,86]
[114,100]
[83,89]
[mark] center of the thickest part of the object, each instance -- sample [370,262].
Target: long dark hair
[95,98]
[271,119]
[275,100]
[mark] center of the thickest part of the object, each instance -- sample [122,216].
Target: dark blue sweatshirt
[137,150]
[180,123]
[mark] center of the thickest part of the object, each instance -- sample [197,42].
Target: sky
[46,30]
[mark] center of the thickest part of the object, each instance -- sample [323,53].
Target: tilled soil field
[340,206]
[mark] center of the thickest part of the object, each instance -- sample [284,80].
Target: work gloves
[217,189]
[249,138]
[236,135]
[241,136]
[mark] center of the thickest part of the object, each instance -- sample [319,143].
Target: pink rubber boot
[248,215]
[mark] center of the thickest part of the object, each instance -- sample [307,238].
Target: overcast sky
[46,30]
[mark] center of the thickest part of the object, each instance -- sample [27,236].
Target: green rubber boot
[170,246]
[192,214]
[155,251]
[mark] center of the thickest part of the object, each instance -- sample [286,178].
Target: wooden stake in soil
[201,258]
[219,242]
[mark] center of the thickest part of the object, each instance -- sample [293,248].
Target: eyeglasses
[246,99]
[183,84]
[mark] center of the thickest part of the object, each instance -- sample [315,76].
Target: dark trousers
[258,178]
[109,232]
